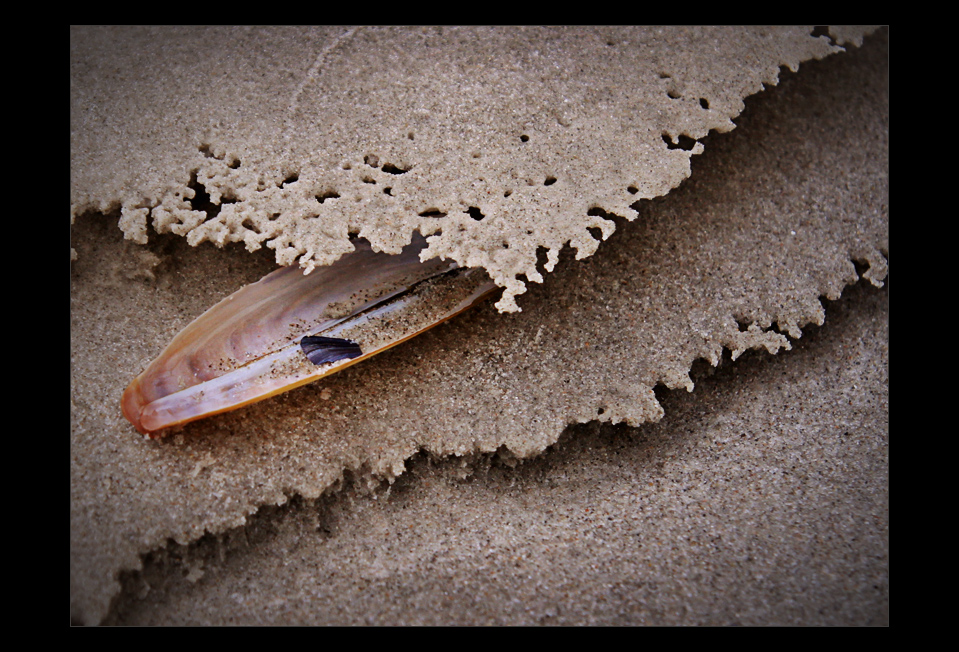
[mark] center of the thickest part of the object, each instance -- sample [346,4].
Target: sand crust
[770,481]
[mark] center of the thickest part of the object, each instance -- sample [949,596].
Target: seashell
[291,328]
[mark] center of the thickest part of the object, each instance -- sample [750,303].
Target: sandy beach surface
[687,427]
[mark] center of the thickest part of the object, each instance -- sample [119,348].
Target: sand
[477,475]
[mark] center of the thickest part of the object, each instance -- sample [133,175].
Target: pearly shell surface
[247,347]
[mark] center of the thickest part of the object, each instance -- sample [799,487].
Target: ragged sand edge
[566,128]
[220,561]
[309,487]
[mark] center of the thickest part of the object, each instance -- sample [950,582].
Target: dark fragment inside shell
[323,350]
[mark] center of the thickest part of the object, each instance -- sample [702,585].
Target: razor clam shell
[246,347]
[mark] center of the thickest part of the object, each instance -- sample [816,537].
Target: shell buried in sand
[291,328]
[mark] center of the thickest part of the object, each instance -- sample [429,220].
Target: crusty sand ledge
[500,141]
[763,492]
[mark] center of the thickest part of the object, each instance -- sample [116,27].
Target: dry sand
[441,482]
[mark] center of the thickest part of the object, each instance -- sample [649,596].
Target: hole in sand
[475,213]
[685,142]
[393,169]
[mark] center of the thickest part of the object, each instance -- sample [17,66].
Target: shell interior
[291,328]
